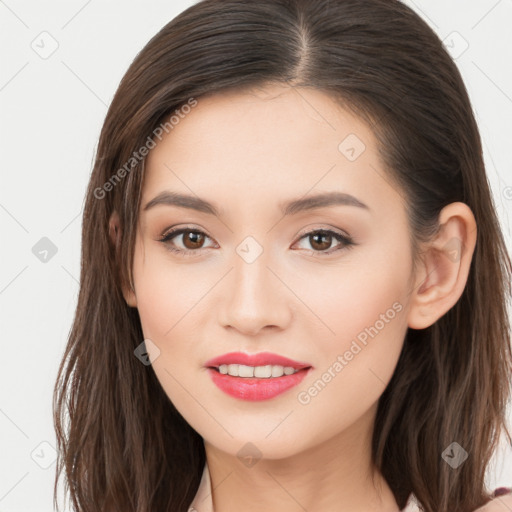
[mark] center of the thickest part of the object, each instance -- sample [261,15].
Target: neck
[336,475]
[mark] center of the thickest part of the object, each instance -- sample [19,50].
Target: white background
[52,110]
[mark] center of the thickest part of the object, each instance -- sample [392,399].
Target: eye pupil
[324,246]
[193,237]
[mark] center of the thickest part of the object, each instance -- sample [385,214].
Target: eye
[192,240]
[321,240]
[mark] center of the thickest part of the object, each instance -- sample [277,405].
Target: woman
[294,284]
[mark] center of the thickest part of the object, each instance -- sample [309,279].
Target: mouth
[259,372]
[261,365]
[256,388]
[255,377]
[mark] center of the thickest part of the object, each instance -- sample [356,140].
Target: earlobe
[445,263]
[115,237]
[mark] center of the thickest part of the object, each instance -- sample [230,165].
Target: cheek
[364,322]
[168,297]
[356,364]
[359,302]
[166,294]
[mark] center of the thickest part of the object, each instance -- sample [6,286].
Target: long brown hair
[122,444]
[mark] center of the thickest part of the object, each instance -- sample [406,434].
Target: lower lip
[255,389]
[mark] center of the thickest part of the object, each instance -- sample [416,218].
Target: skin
[498,504]
[247,152]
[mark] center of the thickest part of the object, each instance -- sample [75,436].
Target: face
[266,268]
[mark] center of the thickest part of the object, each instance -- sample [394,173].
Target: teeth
[263,372]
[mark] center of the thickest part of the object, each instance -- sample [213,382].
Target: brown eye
[185,241]
[320,240]
[193,239]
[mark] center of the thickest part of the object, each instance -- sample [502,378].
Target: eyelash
[347,241]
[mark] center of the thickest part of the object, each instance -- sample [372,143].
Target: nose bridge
[251,283]
[254,298]
[250,271]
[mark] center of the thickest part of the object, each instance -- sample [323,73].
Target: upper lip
[259,359]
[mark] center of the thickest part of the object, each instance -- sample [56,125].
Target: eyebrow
[292,207]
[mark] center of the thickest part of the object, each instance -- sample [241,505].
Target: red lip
[256,389]
[259,359]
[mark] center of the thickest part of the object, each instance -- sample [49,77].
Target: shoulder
[500,503]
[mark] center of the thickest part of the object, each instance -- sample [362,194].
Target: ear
[445,263]
[115,236]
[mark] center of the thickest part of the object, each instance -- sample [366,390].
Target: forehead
[274,142]
[264,111]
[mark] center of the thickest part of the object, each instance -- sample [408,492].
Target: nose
[254,297]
